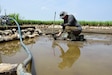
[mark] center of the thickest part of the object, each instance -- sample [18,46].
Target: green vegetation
[83,23]
[96,23]
[33,22]
[38,22]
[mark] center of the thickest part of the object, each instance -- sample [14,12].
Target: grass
[38,22]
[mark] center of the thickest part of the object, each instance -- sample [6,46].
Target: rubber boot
[72,37]
[82,38]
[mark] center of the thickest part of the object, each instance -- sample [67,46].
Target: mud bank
[28,31]
[86,29]
[97,29]
[44,28]
[12,34]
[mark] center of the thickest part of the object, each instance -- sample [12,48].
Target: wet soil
[60,57]
[52,57]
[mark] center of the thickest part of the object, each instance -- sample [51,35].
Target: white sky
[88,10]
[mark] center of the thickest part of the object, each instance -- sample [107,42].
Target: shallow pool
[58,57]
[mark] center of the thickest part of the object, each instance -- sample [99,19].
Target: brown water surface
[58,57]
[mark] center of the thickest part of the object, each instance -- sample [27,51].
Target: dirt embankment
[98,29]
[86,29]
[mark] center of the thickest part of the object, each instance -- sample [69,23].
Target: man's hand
[59,34]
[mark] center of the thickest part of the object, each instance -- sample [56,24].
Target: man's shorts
[70,28]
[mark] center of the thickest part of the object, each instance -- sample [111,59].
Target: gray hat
[63,14]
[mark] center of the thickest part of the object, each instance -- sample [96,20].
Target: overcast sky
[88,10]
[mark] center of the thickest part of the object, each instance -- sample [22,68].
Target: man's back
[71,21]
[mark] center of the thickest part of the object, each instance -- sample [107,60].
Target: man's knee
[76,32]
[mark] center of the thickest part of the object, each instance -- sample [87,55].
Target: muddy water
[92,57]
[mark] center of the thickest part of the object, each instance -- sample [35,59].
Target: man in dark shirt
[70,25]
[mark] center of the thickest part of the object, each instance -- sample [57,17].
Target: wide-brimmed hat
[63,14]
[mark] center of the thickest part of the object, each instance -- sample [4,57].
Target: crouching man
[71,26]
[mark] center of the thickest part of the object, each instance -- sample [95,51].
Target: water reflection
[9,48]
[30,41]
[0,59]
[68,57]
